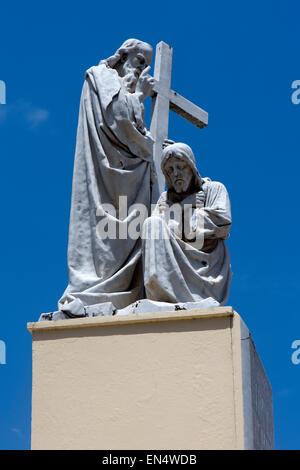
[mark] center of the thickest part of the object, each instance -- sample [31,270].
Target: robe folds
[176,268]
[113,158]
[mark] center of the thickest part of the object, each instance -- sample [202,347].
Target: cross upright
[165,99]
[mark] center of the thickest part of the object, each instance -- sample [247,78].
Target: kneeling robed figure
[184,253]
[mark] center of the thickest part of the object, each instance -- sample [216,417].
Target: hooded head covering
[185,153]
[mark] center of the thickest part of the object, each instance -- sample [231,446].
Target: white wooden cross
[165,99]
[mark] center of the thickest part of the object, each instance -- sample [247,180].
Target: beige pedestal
[183,380]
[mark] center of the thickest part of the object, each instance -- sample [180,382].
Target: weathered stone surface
[151,306]
[138,307]
[258,410]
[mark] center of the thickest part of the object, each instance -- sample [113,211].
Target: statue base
[189,379]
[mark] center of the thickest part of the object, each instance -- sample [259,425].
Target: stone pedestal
[174,380]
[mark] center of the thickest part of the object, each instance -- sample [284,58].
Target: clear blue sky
[235,59]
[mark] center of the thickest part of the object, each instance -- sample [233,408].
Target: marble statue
[169,263]
[113,159]
[185,257]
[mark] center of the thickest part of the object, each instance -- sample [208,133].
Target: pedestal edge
[132,318]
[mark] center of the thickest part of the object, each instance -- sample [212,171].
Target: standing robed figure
[113,159]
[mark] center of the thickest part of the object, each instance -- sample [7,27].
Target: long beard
[130,81]
[174,197]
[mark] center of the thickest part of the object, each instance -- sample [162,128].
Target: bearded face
[132,64]
[180,174]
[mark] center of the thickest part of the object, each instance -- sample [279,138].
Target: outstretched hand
[144,85]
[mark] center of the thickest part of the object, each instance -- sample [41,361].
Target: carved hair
[127,46]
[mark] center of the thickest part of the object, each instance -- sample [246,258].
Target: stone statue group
[178,253]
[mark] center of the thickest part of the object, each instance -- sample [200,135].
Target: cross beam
[165,99]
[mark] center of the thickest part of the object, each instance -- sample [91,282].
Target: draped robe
[113,158]
[176,269]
